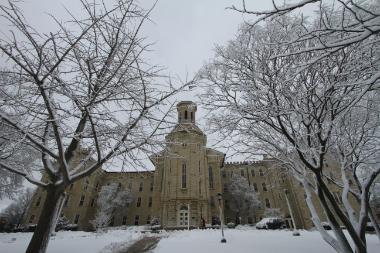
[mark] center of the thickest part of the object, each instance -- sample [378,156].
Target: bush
[231,225]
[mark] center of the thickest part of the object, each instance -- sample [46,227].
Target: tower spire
[186,112]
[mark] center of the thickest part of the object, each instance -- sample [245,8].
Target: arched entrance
[183,216]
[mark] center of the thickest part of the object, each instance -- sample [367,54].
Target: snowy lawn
[244,239]
[72,241]
[249,240]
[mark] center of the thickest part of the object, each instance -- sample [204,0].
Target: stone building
[183,189]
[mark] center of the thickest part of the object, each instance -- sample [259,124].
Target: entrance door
[183,216]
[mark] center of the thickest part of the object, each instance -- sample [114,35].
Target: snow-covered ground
[240,240]
[249,240]
[73,241]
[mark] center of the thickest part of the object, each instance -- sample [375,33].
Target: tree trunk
[359,244]
[374,222]
[41,235]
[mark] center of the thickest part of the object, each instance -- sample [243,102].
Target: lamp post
[295,232]
[221,217]
[188,216]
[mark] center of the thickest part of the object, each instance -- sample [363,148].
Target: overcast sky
[184,32]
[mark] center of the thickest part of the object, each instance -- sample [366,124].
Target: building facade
[183,189]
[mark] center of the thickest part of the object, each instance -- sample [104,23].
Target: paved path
[144,245]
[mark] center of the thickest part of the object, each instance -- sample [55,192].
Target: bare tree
[111,197]
[16,153]
[339,23]
[15,212]
[85,85]
[269,93]
[244,200]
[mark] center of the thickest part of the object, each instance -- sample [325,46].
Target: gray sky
[184,32]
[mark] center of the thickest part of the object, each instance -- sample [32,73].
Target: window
[38,201]
[183,175]
[242,173]
[151,186]
[31,219]
[119,187]
[185,114]
[264,187]
[141,187]
[224,174]
[85,185]
[192,116]
[150,202]
[66,201]
[124,222]
[210,178]
[148,219]
[97,186]
[199,167]
[137,220]
[252,173]
[138,204]
[92,202]
[81,202]
[267,203]
[261,173]
[76,219]
[255,187]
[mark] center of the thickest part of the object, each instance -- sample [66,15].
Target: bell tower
[187,174]
[186,112]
